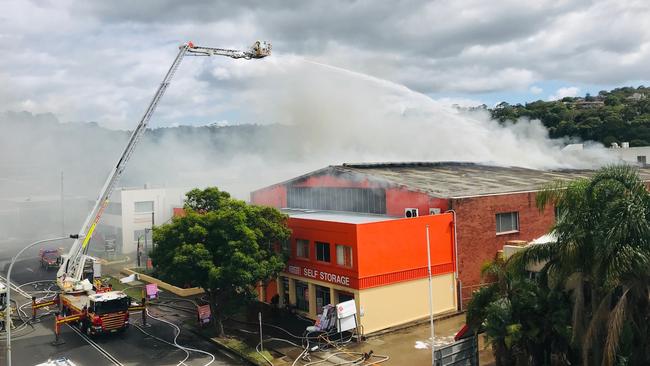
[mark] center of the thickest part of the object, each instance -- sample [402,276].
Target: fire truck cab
[101,312]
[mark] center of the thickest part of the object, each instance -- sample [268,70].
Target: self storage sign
[319,275]
[326,276]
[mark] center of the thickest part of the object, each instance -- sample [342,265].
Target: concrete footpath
[408,346]
[412,346]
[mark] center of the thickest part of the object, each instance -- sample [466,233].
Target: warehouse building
[377,260]
[493,205]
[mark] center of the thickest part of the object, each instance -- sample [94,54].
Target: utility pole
[138,251]
[433,350]
[145,248]
[62,207]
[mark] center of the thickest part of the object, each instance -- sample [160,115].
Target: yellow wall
[391,305]
[387,306]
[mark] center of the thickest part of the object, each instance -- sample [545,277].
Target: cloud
[535,90]
[570,91]
[101,61]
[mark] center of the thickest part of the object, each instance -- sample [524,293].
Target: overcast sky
[102,60]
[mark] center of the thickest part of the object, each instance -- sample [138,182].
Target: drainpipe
[458,283]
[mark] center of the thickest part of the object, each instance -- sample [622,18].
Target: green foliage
[618,115]
[525,322]
[222,245]
[591,301]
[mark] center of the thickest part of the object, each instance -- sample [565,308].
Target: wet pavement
[409,346]
[412,346]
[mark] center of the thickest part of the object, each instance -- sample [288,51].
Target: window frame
[304,299]
[328,253]
[135,207]
[304,243]
[351,256]
[498,223]
[285,247]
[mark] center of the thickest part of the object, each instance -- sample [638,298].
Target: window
[344,255]
[302,296]
[345,296]
[322,298]
[367,200]
[284,292]
[507,222]
[302,248]
[144,206]
[641,159]
[285,247]
[323,251]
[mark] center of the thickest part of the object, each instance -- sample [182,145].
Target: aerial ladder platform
[94,307]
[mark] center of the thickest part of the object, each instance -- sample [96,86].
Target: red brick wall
[397,199]
[476,230]
[274,196]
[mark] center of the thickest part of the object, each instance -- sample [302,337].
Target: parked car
[50,258]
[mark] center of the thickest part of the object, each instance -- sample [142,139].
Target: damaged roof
[456,179]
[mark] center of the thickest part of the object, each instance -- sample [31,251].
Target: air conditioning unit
[434,211]
[410,212]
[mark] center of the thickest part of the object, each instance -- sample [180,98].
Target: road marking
[96,346]
[29,269]
[83,336]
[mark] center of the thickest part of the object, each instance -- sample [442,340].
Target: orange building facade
[493,205]
[379,261]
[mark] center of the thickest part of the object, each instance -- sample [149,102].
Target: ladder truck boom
[70,273]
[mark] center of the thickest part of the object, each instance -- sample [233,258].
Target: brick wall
[478,241]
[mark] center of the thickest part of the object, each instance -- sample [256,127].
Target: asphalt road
[32,344]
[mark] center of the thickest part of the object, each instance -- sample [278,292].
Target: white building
[135,209]
[637,155]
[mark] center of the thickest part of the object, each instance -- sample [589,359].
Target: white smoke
[312,115]
[342,116]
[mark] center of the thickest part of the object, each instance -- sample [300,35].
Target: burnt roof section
[456,179]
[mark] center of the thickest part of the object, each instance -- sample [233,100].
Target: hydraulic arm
[69,275]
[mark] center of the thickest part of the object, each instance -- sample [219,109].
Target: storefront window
[284,291]
[322,298]
[344,255]
[302,248]
[302,296]
[345,296]
[323,251]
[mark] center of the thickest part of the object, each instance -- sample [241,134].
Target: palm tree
[601,256]
[525,324]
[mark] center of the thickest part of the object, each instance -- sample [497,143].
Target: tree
[222,245]
[623,116]
[601,257]
[524,321]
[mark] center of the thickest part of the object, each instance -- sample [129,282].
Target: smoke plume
[307,116]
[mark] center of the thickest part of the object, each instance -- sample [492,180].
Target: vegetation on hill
[622,114]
